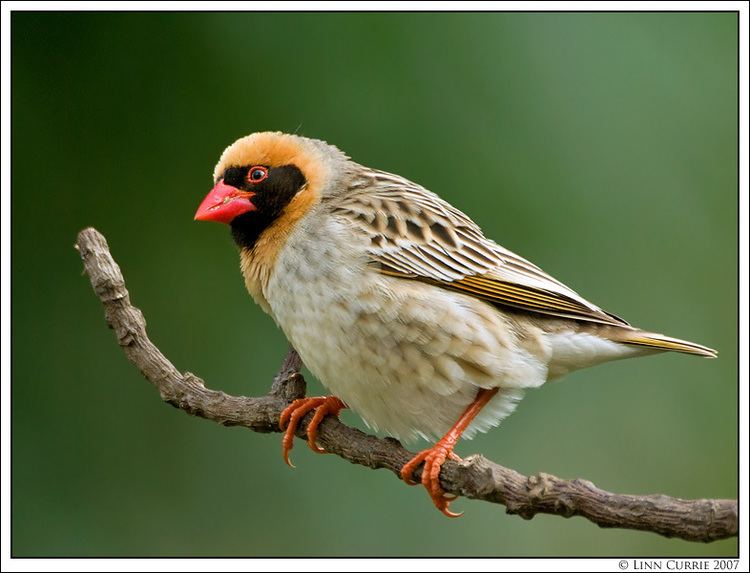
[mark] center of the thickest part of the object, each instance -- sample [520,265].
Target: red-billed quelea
[397,302]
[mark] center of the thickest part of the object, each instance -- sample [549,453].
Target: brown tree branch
[476,477]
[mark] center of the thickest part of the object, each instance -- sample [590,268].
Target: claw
[433,459]
[292,414]
[331,406]
[408,470]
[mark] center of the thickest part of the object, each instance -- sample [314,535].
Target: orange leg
[434,457]
[292,414]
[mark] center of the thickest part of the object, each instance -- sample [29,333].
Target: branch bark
[476,477]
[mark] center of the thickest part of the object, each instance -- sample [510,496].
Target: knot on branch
[289,384]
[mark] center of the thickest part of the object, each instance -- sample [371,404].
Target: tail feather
[661,342]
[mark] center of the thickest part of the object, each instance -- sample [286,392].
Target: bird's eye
[257,174]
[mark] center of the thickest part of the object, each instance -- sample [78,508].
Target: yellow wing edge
[528,299]
[661,342]
[516,296]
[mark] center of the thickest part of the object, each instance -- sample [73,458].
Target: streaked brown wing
[416,235]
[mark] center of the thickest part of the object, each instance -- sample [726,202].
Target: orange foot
[435,457]
[292,414]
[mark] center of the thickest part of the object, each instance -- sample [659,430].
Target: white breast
[406,356]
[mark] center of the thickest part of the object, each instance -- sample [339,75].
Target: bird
[397,302]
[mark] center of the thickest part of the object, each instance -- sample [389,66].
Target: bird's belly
[408,360]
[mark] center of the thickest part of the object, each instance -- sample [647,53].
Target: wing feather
[416,235]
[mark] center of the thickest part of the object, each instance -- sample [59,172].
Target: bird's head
[265,175]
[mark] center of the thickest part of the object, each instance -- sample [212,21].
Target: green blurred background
[600,146]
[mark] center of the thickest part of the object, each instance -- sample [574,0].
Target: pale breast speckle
[406,356]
